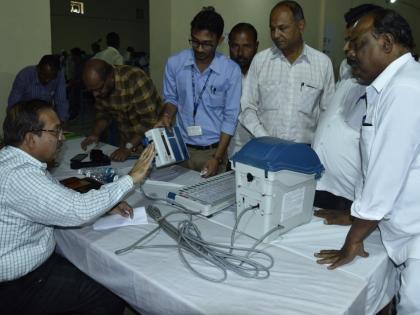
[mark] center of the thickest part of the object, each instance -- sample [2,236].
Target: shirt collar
[382,80]
[278,53]
[215,65]
[26,157]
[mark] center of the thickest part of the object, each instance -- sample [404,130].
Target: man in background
[243,45]
[336,139]
[111,53]
[202,88]
[44,81]
[289,84]
[126,95]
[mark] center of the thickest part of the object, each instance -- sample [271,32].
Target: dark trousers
[327,200]
[57,287]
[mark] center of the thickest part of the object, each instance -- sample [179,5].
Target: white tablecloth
[155,281]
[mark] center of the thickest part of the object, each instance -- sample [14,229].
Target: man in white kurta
[243,45]
[388,193]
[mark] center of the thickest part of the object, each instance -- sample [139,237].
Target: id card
[194,131]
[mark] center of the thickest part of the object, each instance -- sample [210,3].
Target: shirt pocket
[270,95]
[310,95]
[216,97]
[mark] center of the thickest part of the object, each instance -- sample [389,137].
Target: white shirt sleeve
[329,87]
[48,202]
[250,102]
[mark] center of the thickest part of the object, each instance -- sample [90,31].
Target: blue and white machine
[277,177]
[169,146]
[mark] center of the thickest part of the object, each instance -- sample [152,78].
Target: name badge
[194,131]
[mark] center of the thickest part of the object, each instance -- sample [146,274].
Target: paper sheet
[116,220]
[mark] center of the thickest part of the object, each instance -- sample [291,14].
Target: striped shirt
[32,202]
[284,100]
[134,103]
[28,87]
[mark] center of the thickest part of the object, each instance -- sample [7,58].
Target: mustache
[352,62]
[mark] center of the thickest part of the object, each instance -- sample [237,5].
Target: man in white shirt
[336,139]
[33,278]
[289,84]
[387,195]
[243,45]
[111,54]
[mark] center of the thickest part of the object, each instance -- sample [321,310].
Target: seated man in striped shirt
[44,81]
[126,95]
[33,278]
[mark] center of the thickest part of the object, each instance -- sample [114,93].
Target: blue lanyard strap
[200,95]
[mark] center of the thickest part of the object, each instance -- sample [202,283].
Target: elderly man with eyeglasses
[203,89]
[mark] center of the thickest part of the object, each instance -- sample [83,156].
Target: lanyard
[200,95]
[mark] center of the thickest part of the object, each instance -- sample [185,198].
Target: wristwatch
[129,146]
[219,160]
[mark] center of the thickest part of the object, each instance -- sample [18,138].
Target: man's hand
[346,254]
[338,217]
[89,140]
[140,169]
[120,155]
[211,168]
[123,209]
[164,122]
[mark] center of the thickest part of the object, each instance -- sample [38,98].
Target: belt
[203,147]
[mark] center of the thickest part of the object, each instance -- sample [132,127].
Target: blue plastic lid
[274,154]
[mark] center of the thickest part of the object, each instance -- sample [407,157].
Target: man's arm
[167,116]
[170,96]
[328,88]
[18,89]
[143,113]
[230,119]
[60,98]
[100,126]
[212,165]
[250,103]
[352,247]
[58,205]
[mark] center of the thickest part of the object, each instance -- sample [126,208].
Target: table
[154,281]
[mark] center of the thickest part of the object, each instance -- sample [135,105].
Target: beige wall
[170,19]
[26,36]
[334,21]
[170,22]
[129,18]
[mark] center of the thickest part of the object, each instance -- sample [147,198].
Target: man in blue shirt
[203,89]
[45,82]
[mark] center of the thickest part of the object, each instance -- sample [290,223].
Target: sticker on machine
[292,203]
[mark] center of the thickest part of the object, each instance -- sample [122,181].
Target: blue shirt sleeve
[170,93]
[18,88]
[60,97]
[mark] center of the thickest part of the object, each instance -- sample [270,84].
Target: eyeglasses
[195,44]
[56,132]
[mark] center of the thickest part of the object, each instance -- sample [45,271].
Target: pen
[305,84]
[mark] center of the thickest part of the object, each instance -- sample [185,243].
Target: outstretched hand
[346,254]
[330,216]
[140,169]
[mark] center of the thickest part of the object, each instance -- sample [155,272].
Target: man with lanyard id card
[203,89]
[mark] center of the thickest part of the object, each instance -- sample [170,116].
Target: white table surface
[155,281]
